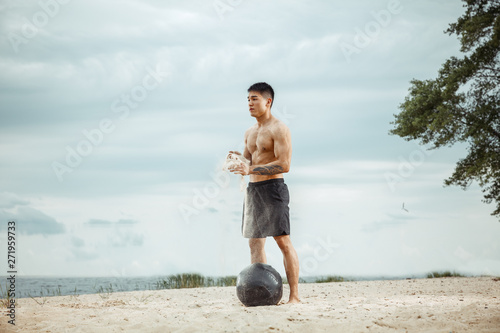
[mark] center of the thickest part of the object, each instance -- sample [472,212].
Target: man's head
[260,97]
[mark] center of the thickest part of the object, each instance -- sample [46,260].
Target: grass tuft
[444,274]
[42,299]
[104,292]
[194,280]
[331,278]
[5,296]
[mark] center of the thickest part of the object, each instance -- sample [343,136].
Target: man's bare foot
[293,301]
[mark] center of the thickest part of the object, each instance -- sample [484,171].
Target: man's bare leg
[257,251]
[291,262]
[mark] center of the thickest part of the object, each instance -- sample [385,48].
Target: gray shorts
[265,210]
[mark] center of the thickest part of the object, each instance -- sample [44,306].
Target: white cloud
[31,221]
[10,200]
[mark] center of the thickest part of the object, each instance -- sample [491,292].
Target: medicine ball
[259,284]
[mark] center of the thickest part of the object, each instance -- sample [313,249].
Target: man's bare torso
[260,149]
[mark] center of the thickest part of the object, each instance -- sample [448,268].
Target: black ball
[259,284]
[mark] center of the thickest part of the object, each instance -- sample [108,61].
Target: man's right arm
[246,153]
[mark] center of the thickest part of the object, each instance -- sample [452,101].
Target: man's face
[257,104]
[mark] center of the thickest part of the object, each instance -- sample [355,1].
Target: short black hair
[263,89]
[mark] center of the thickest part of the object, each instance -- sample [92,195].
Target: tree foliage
[462,103]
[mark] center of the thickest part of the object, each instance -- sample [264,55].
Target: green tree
[462,103]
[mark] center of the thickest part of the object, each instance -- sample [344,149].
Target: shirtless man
[268,147]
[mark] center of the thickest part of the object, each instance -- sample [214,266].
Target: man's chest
[260,140]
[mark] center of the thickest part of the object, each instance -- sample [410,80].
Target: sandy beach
[416,305]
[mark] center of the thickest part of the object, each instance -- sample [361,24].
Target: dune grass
[443,274]
[194,280]
[4,296]
[331,278]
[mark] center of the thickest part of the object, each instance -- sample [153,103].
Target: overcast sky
[116,117]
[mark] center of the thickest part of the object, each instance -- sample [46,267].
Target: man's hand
[240,168]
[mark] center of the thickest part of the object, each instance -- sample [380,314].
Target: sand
[417,305]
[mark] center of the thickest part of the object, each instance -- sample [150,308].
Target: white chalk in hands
[234,160]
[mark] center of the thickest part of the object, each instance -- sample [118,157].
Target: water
[34,286]
[61,286]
